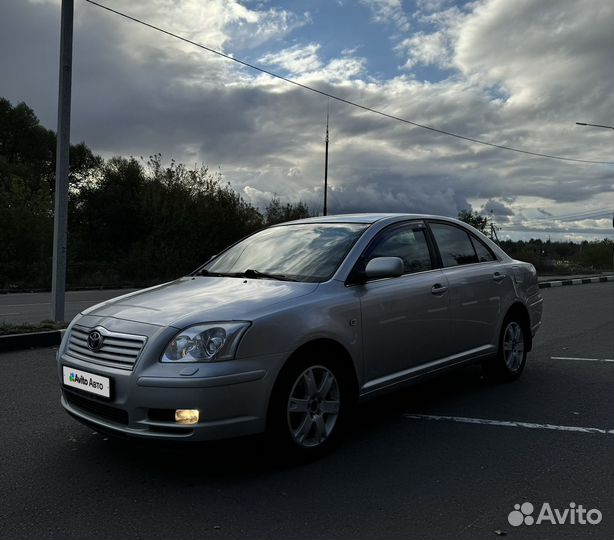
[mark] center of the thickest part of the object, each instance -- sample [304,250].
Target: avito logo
[80,379]
[575,514]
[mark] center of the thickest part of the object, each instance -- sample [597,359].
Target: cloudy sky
[513,72]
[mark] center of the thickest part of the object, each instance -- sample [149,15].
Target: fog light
[186,416]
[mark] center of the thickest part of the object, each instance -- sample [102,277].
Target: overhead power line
[593,214]
[339,98]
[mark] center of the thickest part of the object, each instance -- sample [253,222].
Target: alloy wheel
[313,406]
[513,346]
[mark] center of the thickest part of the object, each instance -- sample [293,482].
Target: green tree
[153,222]
[27,181]
[596,255]
[474,219]
[275,212]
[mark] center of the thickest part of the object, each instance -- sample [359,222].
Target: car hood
[191,300]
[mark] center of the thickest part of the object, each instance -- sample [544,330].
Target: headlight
[211,342]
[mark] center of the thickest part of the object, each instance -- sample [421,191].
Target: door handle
[498,276]
[438,288]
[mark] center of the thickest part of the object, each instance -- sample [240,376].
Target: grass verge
[27,328]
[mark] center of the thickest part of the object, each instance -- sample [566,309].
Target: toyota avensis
[286,329]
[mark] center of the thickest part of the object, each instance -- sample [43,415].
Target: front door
[404,319]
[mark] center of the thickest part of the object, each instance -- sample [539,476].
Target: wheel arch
[316,347]
[519,310]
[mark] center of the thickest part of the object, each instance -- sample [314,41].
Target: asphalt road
[36,307]
[393,477]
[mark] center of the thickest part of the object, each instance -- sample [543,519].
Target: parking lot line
[583,359]
[506,423]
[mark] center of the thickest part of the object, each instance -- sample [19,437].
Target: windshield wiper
[255,274]
[204,272]
[249,273]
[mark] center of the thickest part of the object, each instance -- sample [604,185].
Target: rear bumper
[535,305]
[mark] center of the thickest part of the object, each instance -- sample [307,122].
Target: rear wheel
[512,354]
[309,407]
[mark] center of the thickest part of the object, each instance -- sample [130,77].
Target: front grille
[96,408]
[118,350]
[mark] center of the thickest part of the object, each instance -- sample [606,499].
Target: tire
[309,406]
[511,357]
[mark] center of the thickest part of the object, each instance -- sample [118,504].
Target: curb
[15,342]
[578,281]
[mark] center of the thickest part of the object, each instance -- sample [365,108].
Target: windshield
[308,252]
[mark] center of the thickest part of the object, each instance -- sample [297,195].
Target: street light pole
[60,221]
[594,125]
[326,168]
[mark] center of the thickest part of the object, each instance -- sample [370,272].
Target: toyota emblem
[94,340]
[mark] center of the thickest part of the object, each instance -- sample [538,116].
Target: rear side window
[484,254]
[454,245]
[408,243]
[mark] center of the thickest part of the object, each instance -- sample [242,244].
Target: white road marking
[583,359]
[506,423]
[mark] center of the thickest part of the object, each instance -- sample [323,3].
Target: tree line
[136,222]
[548,256]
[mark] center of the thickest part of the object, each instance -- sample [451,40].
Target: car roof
[360,218]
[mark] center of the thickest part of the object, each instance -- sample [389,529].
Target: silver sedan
[284,331]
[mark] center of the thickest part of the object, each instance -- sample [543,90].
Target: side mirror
[384,267]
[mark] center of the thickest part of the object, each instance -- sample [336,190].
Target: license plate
[88,382]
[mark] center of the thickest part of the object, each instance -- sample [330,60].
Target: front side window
[454,244]
[408,243]
[309,252]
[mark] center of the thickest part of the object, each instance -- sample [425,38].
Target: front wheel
[512,354]
[308,408]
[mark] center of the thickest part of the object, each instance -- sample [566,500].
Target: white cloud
[434,47]
[389,12]
[339,71]
[295,59]
[426,49]
[547,54]
[217,22]
[431,5]
[270,25]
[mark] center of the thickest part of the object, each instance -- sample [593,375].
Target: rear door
[477,284]
[404,319]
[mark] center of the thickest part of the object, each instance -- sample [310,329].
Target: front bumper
[232,398]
